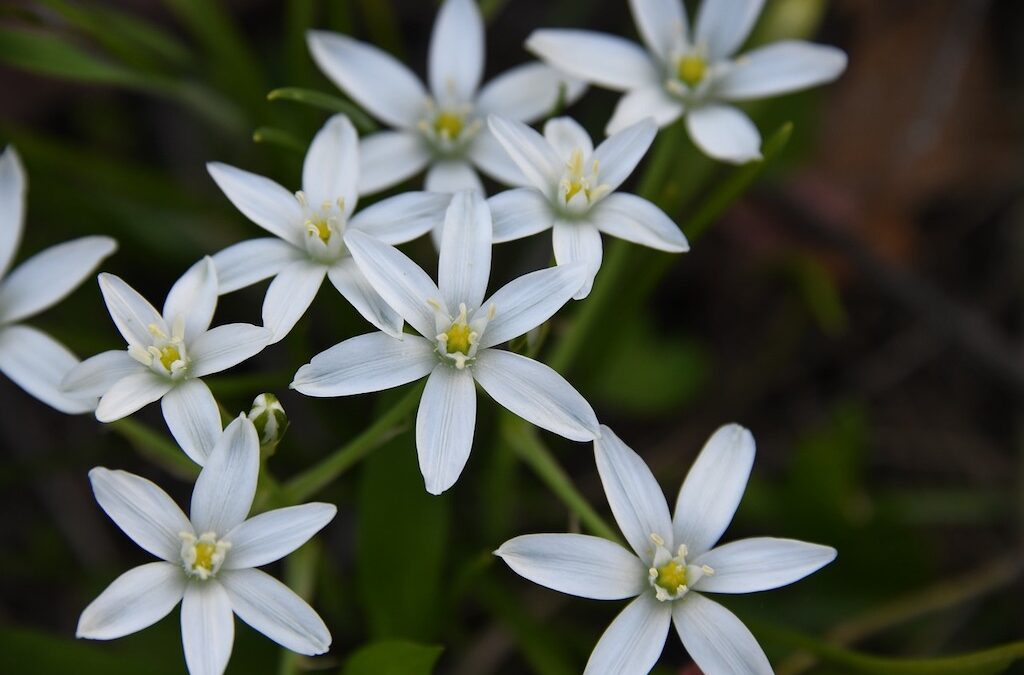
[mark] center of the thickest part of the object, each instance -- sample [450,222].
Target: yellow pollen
[458,338]
[448,124]
[320,228]
[204,555]
[168,355]
[671,576]
[691,69]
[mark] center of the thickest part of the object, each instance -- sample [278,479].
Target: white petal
[633,642]
[528,301]
[464,263]
[450,176]
[226,486]
[272,535]
[389,157]
[225,346]
[723,25]
[261,200]
[717,641]
[566,135]
[605,60]
[371,76]
[13,187]
[207,628]
[289,296]
[131,393]
[142,510]
[193,298]
[135,600]
[713,488]
[444,426]
[527,92]
[132,313]
[637,220]
[724,133]
[94,376]
[619,154]
[366,363]
[248,262]
[662,25]
[531,152]
[49,276]
[536,393]
[578,564]
[651,101]
[192,415]
[634,496]
[779,68]
[403,217]
[275,610]
[38,364]
[519,213]
[331,169]
[355,288]
[578,242]
[760,564]
[400,281]
[488,155]
[456,59]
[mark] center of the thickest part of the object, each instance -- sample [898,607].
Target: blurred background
[860,309]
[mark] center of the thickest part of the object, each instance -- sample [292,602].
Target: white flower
[309,229]
[573,191]
[208,559]
[691,72]
[459,330]
[166,356]
[32,359]
[443,128]
[675,562]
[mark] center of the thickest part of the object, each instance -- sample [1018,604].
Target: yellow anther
[671,576]
[448,124]
[169,354]
[204,555]
[320,228]
[458,338]
[691,69]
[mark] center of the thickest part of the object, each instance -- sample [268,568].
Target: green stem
[318,99]
[156,448]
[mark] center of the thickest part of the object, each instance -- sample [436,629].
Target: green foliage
[28,652]
[393,657]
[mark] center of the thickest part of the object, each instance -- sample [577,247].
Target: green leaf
[28,652]
[393,657]
[56,56]
[278,137]
[156,448]
[324,101]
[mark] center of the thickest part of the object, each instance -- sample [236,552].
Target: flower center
[448,128]
[448,124]
[167,355]
[324,228]
[579,189]
[202,557]
[670,576]
[458,339]
[691,69]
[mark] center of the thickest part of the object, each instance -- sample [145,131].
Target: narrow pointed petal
[528,92]
[375,79]
[290,295]
[619,154]
[456,60]
[651,101]
[130,394]
[634,496]
[531,152]
[13,188]
[578,242]
[135,600]
[272,535]
[48,277]
[275,610]
[760,564]
[566,135]
[223,347]
[724,133]
[353,286]
[192,415]
[488,155]
[193,298]
[249,262]
[132,313]
[723,25]
[779,68]
[633,642]
[366,363]
[713,488]
[226,486]
[389,157]
[716,639]
[94,376]
[464,263]
[449,176]
[142,510]
[444,426]
[403,217]
[519,213]
[38,364]
[605,60]
[536,393]
[207,628]
[662,25]
[331,168]
[637,220]
[528,301]
[400,281]
[261,200]
[577,564]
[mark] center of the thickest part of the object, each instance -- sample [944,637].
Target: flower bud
[270,420]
